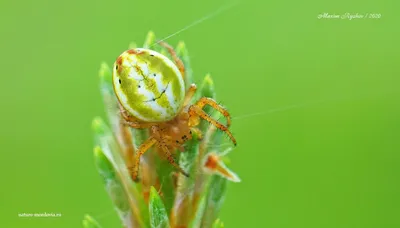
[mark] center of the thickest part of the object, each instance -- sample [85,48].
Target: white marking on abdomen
[171,98]
[148,102]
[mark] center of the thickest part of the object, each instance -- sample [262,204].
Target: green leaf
[215,199]
[164,172]
[126,197]
[217,191]
[198,216]
[132,45]
[105,73]
[90,222]
[158,214]
[115,189]
[150,39]
[113,183]
[187,161]
[182,209]
[109,98]
[218,224]
[207,87]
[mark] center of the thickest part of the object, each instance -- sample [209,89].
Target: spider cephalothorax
[151,92]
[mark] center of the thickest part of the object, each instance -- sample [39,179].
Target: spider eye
[177,141]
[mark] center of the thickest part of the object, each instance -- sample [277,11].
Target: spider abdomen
[148,85]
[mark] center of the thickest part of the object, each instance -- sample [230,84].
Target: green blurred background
[323,153]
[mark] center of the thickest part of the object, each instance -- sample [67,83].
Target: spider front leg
[141,150]
[195,113]
[208,101]
[177,60]
[171,160]
[162,142]
[189,95]
[136,124]
[130,121]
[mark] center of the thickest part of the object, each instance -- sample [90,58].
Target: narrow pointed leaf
[165,174]
[182,210]
[215,198]
[207,87]
[150,39]
[218,224]
[132,45]
[198,214]
[114,188]
[105,74]
[90,222]
[124,194]
[158,214]
[109,98]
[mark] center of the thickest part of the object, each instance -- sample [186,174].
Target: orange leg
[141,150]
[136,124]
[208,101]
[171,160]
[128,146]
[177,60]
[188,96]
[131,121]
[196,112]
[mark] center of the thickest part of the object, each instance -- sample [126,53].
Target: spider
[151,94]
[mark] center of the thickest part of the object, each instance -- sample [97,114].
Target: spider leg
[128,120]
[124,113]
[171,160]
[195,111]
[141,150]
[127,145]
[209,101]
[189,95]
[177,60]
[136,124]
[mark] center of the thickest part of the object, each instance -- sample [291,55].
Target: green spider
[151,92]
